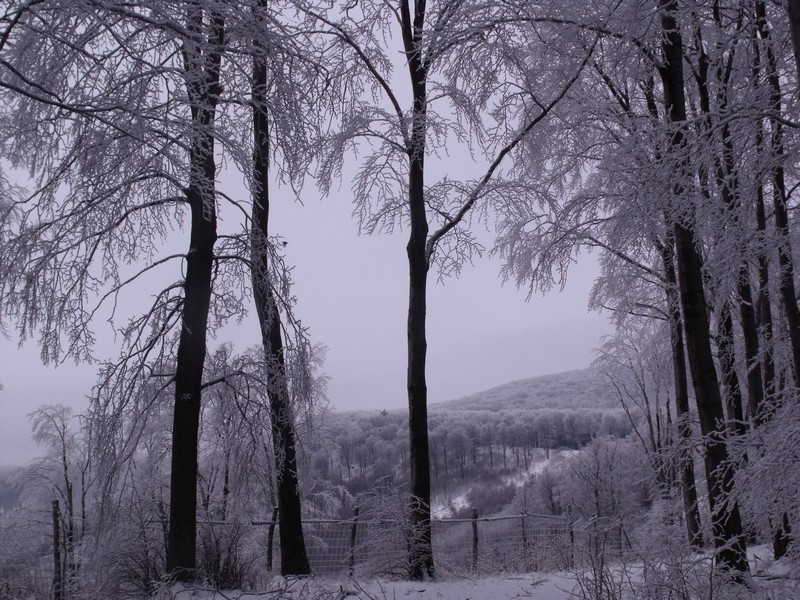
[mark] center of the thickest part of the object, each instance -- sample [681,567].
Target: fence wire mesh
[246,554]
[26,551]
[517,543]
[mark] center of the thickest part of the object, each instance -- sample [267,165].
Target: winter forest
[142,145]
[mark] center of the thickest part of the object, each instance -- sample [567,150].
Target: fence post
[474,539]
[571,528]
[271,537]
[524,531]
[58,584]
[353,531]
[525,548]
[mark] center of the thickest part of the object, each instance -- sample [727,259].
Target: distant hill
[483,436]
[570,390]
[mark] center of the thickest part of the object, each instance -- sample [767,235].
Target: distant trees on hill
[357,450]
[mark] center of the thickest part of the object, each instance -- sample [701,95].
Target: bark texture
[294,558]
[681,384]
[420,556]
[202,81]
[787,288]
[726,521]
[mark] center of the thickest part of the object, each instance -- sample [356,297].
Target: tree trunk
[421,553]
[420,556]
[680,380]
[730,380]
[203,90]
[764,311]
[785,263]
[794,21]
[294,559]
[58,571]
[726,525]
[781,536]
[69,539]
[727,180]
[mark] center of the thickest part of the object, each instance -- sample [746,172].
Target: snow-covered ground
[534,586]
[529,586]
[770,581]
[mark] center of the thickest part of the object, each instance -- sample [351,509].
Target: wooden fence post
[271,537]
[525,549]
[571,526]
[58,582]
[353,532]
[474,539]
[524,530]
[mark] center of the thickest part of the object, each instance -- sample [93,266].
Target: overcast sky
[352,292]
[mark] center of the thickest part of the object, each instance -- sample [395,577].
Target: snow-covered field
[770,581]
[529,586]
[769,584]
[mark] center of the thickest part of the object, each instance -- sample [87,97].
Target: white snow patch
[445,511]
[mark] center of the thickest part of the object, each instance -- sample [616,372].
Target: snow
[446,510]
[770,581]
[442,511]
[531,586]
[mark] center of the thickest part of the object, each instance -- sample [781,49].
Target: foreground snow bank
[530,586]
[768,583]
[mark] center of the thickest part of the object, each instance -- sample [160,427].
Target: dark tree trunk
[421,553]
[726,523]
[752,347]
[58,570]
[294,559]
[764,311]
[794,21]
[69,538]
[727,364]
[783,534]
[764,306]
[680,380]
[728,183]
[203,89]
[420,557]
[782,537]
[785,263]
[226,475]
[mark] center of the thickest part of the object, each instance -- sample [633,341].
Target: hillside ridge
[576,388]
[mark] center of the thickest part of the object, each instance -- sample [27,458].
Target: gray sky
[352,293]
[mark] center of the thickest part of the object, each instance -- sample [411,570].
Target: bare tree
[117,130]
[66,469]
[460,52]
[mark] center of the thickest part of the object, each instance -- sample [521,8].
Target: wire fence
[478,545]
[360,547]
[25,555]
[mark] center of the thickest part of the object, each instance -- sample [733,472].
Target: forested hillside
[475,441]
[576,389]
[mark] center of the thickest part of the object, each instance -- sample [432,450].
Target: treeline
[358,450]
